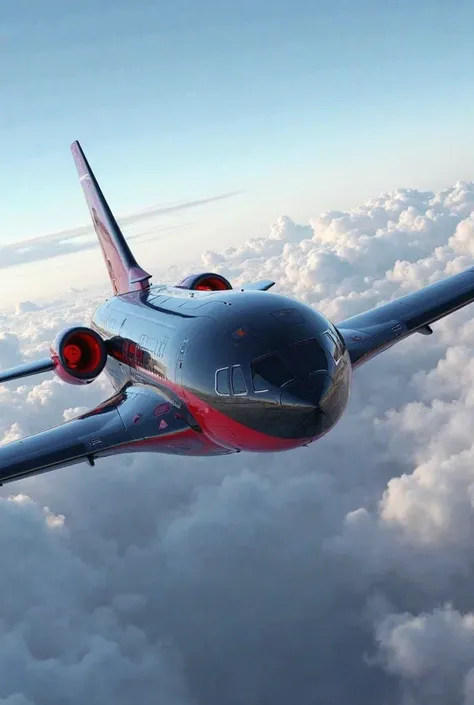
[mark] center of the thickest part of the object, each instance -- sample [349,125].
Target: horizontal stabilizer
[262,285]
[26,370]
[124,272]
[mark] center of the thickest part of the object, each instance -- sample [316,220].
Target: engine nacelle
[205,281]
[79,355]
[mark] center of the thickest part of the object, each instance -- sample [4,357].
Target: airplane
[205,369]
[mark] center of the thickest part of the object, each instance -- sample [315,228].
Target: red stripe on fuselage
[187,442]
[222,430]
[232,434]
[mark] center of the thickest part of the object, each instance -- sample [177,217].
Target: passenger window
[238,382]
[269,370]
[312,354]
[222,382]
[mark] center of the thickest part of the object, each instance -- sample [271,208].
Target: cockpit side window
[337,349]
[239,388]
[258,382]
[269,370]
[222,382]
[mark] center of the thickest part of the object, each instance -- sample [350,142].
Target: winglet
[124,271]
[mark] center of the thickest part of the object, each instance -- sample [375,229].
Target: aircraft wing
[369,333]
[27,370]
[132,417]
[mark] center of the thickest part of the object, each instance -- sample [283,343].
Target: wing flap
[369,333]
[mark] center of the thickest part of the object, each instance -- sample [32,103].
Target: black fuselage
[254,370]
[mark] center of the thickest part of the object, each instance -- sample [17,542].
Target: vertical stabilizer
[124,271]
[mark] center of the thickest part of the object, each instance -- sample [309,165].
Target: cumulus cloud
[10,351]
[432,653]
[345,262]
[339,573]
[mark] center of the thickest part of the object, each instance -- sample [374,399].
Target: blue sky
[305,105]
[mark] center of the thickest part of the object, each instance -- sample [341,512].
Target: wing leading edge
[132,417]
[27,370]
[371,332]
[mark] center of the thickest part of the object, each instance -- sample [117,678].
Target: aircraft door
[180,361]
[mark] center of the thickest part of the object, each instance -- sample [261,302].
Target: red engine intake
[206,281]
[79,355]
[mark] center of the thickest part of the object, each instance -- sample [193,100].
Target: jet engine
[205,281]
[79,355]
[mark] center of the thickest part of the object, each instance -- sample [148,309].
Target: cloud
[26,307]
[84,238]
[432,653]
[349,261]
[341,572]
[10,352]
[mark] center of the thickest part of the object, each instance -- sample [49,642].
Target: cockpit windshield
[312,354]
[269,370]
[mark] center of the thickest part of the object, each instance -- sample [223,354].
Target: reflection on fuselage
[255,370]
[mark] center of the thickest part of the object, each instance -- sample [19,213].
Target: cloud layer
[83,238]
[340,573]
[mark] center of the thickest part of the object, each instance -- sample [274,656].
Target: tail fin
[124,272]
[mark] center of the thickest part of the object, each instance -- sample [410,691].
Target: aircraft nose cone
[321,383]
[299,396]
